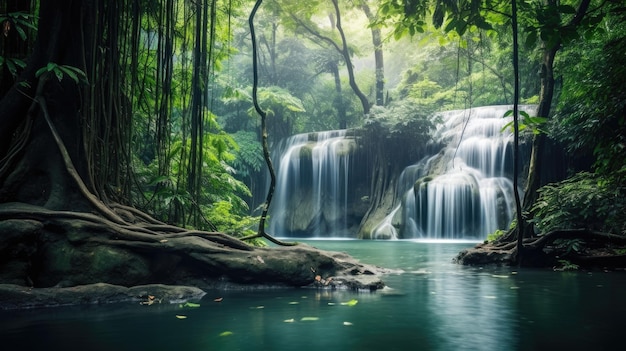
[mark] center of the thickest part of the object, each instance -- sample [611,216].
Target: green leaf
[226,333]
[350,303]
[69,73]
[19,63]
[58,73]
[21,32]
[11,67]
[40,72]
[190,304]
[524,114]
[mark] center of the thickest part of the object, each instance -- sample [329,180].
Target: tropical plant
[584,201]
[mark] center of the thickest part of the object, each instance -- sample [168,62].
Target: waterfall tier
[462,190]
[312,185]
[465,191]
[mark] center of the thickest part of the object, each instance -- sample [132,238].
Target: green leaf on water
[305,319]
[350,303]
[190,304]
[226,333]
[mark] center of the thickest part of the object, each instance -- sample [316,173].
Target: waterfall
[464,191]
[312,185]
[461,189]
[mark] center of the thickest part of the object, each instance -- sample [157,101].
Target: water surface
[433,305]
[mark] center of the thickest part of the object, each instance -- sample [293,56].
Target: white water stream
[462,191]
[468,192]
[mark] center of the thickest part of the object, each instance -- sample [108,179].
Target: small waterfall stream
[466,190]
[312,185]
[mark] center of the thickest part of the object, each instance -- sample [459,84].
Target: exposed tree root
[134,232]
[582,247]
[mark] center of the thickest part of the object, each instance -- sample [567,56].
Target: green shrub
[585,200]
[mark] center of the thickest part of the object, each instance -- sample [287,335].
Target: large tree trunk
[543,110]
[35,173]
[540,141]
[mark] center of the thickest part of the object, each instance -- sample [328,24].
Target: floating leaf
[294,302]
[226,333]
[350,303]
[257,307]
[190,304]
[180,316]
[218,299]
[305,319]
[289,320]
[347,323]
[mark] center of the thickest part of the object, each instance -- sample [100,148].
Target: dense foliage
[584,201]
[192,151]
[591,122]
[592,108]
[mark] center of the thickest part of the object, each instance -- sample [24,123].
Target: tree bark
[35,172]
[378,56]
[534,181]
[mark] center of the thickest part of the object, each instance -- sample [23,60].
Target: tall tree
[377,41]
[341,45]
[554,33]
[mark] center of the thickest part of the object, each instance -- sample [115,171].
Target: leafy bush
[585,200]
[223,216]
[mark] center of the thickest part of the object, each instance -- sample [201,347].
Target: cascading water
[312,185]
[463,192]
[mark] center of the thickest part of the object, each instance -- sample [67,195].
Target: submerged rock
[17,297]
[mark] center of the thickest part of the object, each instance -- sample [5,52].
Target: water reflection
[433,305]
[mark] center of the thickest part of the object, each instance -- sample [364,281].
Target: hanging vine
[266,153]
